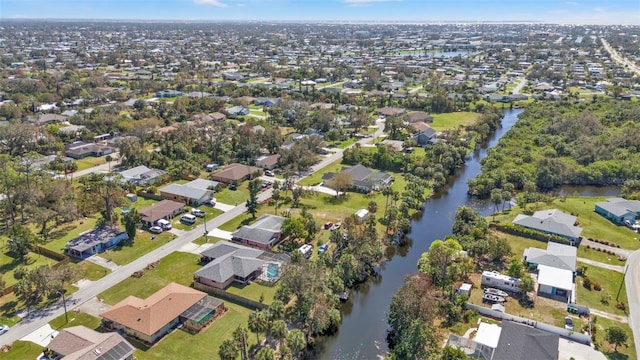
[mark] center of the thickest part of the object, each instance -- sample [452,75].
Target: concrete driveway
[42,336]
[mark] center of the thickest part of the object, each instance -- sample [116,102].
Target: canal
[362,334]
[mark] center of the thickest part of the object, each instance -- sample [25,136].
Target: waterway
[363,331]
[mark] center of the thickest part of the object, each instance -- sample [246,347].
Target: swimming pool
[273,270]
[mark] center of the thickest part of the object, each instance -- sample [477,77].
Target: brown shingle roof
[153,313]
[420,126]
[81,343]
[234,172]
[159,210]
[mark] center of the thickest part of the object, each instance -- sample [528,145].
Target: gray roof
[262,231]
[202,184]
[230,260]
[551,221]
[522,342]
[101,235]
[186,191]
[556,255]
[134,172]
[361,176]
[619,206]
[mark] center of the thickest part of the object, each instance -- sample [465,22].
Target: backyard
[254,291]
[450,121]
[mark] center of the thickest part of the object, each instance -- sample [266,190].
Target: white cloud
[211,2]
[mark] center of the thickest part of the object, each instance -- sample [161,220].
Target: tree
[252,203]
[265,354]
[496,199]
[131,221]
[21,240]
[340,182]
[440,261]
[453,353]
[275,195]
[104,188]
[257,323]
[228,350]
[293,228]
[526,283]
[240,338]
[616,336]
[279,330]
[296,342]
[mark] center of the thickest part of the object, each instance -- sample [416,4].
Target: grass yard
[62,234]
[8,264]
[154,280]
[599,256]
[233,197]
[9,304]
[454,120]
[341,144]
[75,319]
[254,291]
[207,240]
[145,242]
[610,282]
[89,270]
[624,352]
[21,350]
[182,345]
[593,225]
[316,178]
[90,162]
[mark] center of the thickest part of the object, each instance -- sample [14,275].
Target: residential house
[95,241]
[556,283]
[419,116]
[235,173]
[194,193]
[45,119]
[237,110]
[363,179]
[164,209]
[227,262]
[424,134]
[218,116]
[81,150]
[556,255]
[142,175]
[553,222]
[267,102]
[265,233]
[149,319]
[72,130]
[168,93]
[80,343]
[619,210]
[521,342]
[267,161]
[389,111]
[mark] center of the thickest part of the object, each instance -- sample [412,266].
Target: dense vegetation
[581,143]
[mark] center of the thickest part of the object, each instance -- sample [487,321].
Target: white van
[188,219]
[306,250]
[164,224]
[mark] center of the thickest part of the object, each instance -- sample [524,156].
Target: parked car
[164,224]
[155,229]
[323,248]
[4,329]
[188,219]
[233,187]
[269,173]
[197,212]
[211,202]
[42,356]
[568,323]
[328,225]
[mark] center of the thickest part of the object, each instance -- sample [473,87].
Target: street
[632,283]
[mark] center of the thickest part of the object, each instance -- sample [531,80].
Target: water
[272,271]
[362,334]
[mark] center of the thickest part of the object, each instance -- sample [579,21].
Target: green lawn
[154,280]
[89,270]
[254,291]
[62,234]
[145,242]
[84,319]
[142,203]
[624,352]
[341,144]
[448,121]
[182,345]
[208,240]
[21,350]
[316,178]
[90,162]
[583,252]
[210,213]
[593,225]
[610,282]
[233,197]
[8,264]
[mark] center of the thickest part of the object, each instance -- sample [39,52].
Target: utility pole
[64,304]
[622,281]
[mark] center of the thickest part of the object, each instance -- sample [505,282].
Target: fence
[146,195]
[61,258]
[530,234]
[236,299]
[571,335]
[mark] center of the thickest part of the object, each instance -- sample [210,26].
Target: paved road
[523,81]
[40,318]
[619,59]
[618,251]
[632,283]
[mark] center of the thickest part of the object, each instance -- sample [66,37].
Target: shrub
[621,306]
[597,287]
[586,282]
[604,298]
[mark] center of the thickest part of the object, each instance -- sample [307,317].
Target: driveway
[41,336]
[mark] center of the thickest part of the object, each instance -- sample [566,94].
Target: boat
[344,296]
[495,291]
[491,298]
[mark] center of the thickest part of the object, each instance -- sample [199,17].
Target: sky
[622,12]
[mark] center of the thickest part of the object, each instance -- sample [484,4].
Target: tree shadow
[6,268]
[332,200]
[61,231]
[614,355]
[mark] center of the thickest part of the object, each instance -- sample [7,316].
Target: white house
[556,283]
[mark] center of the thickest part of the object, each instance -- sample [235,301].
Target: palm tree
[240,338]
[279,330]
[257,323]
[228,350]
[276,310]
[265,354]
[496,199]
[296,342]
